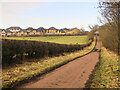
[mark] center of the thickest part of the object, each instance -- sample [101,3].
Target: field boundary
[26,80]
[45,41]
[45,35]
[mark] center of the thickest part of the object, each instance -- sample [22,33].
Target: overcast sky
[48,14]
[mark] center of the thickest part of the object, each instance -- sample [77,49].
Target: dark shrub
[15,51]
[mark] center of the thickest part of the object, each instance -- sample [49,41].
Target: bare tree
[82,29]
[110,17]
[93,27]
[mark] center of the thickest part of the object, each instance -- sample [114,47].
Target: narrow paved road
[72,75]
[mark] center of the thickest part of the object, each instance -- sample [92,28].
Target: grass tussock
[12,77]
[106,74]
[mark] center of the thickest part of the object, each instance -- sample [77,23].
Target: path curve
[72,75]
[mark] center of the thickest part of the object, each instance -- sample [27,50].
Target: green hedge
[15,51]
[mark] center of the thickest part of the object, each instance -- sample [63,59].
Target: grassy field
[106,74]
[56,39]
[28,70]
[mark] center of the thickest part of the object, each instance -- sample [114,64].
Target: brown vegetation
[109,32]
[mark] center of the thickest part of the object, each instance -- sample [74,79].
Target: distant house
[61,31]
[66,30]
[34,31]
[17,31]
[74,31]
[30,31]
[8,33]
[14,29]
[24,32]
[3,32]
[40,31]
[21,33]
[14,33]
[52,30]
[74,28]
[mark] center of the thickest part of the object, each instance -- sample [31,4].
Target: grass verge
[106,73]
[24,72]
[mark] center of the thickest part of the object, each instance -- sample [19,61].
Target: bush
[15,51]
[109,37]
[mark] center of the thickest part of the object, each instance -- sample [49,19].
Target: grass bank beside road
[24,72]
[106,74]
[56,39]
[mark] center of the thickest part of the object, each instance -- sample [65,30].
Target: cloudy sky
[46,14]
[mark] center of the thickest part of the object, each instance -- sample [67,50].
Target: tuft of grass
[13,76]
[55,39]
[106,74]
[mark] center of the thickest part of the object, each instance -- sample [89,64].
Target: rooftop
[13,28]
[52,28]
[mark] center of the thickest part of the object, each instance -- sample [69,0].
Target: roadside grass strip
[106,74]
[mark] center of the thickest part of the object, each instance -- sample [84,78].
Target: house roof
[7,31]
[24,30]
[13,28]
[67,29]
[40,29]
[52,28]
[30,28]
[75,28]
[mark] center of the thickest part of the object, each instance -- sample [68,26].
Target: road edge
[91,76]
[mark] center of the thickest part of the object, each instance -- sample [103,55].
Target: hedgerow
[15,51]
